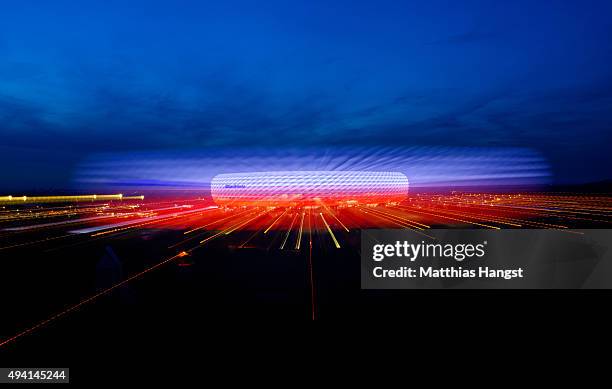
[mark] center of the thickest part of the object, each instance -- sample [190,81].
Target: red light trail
[281,226]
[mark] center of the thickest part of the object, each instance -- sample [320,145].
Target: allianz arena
[309,188]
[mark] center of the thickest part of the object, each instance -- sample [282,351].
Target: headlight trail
[284,226]
[50,199]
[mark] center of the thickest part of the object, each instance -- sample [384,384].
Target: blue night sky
[83,77]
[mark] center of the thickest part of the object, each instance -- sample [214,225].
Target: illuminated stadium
[309,188]
[187,173]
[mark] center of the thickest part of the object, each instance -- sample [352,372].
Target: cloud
[139,87]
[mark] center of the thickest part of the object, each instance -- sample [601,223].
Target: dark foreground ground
[222,293]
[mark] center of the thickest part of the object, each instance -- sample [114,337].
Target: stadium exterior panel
[300,188]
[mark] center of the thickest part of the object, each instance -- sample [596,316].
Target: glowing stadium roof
[302,187]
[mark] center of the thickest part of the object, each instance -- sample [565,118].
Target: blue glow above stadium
[425,166]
